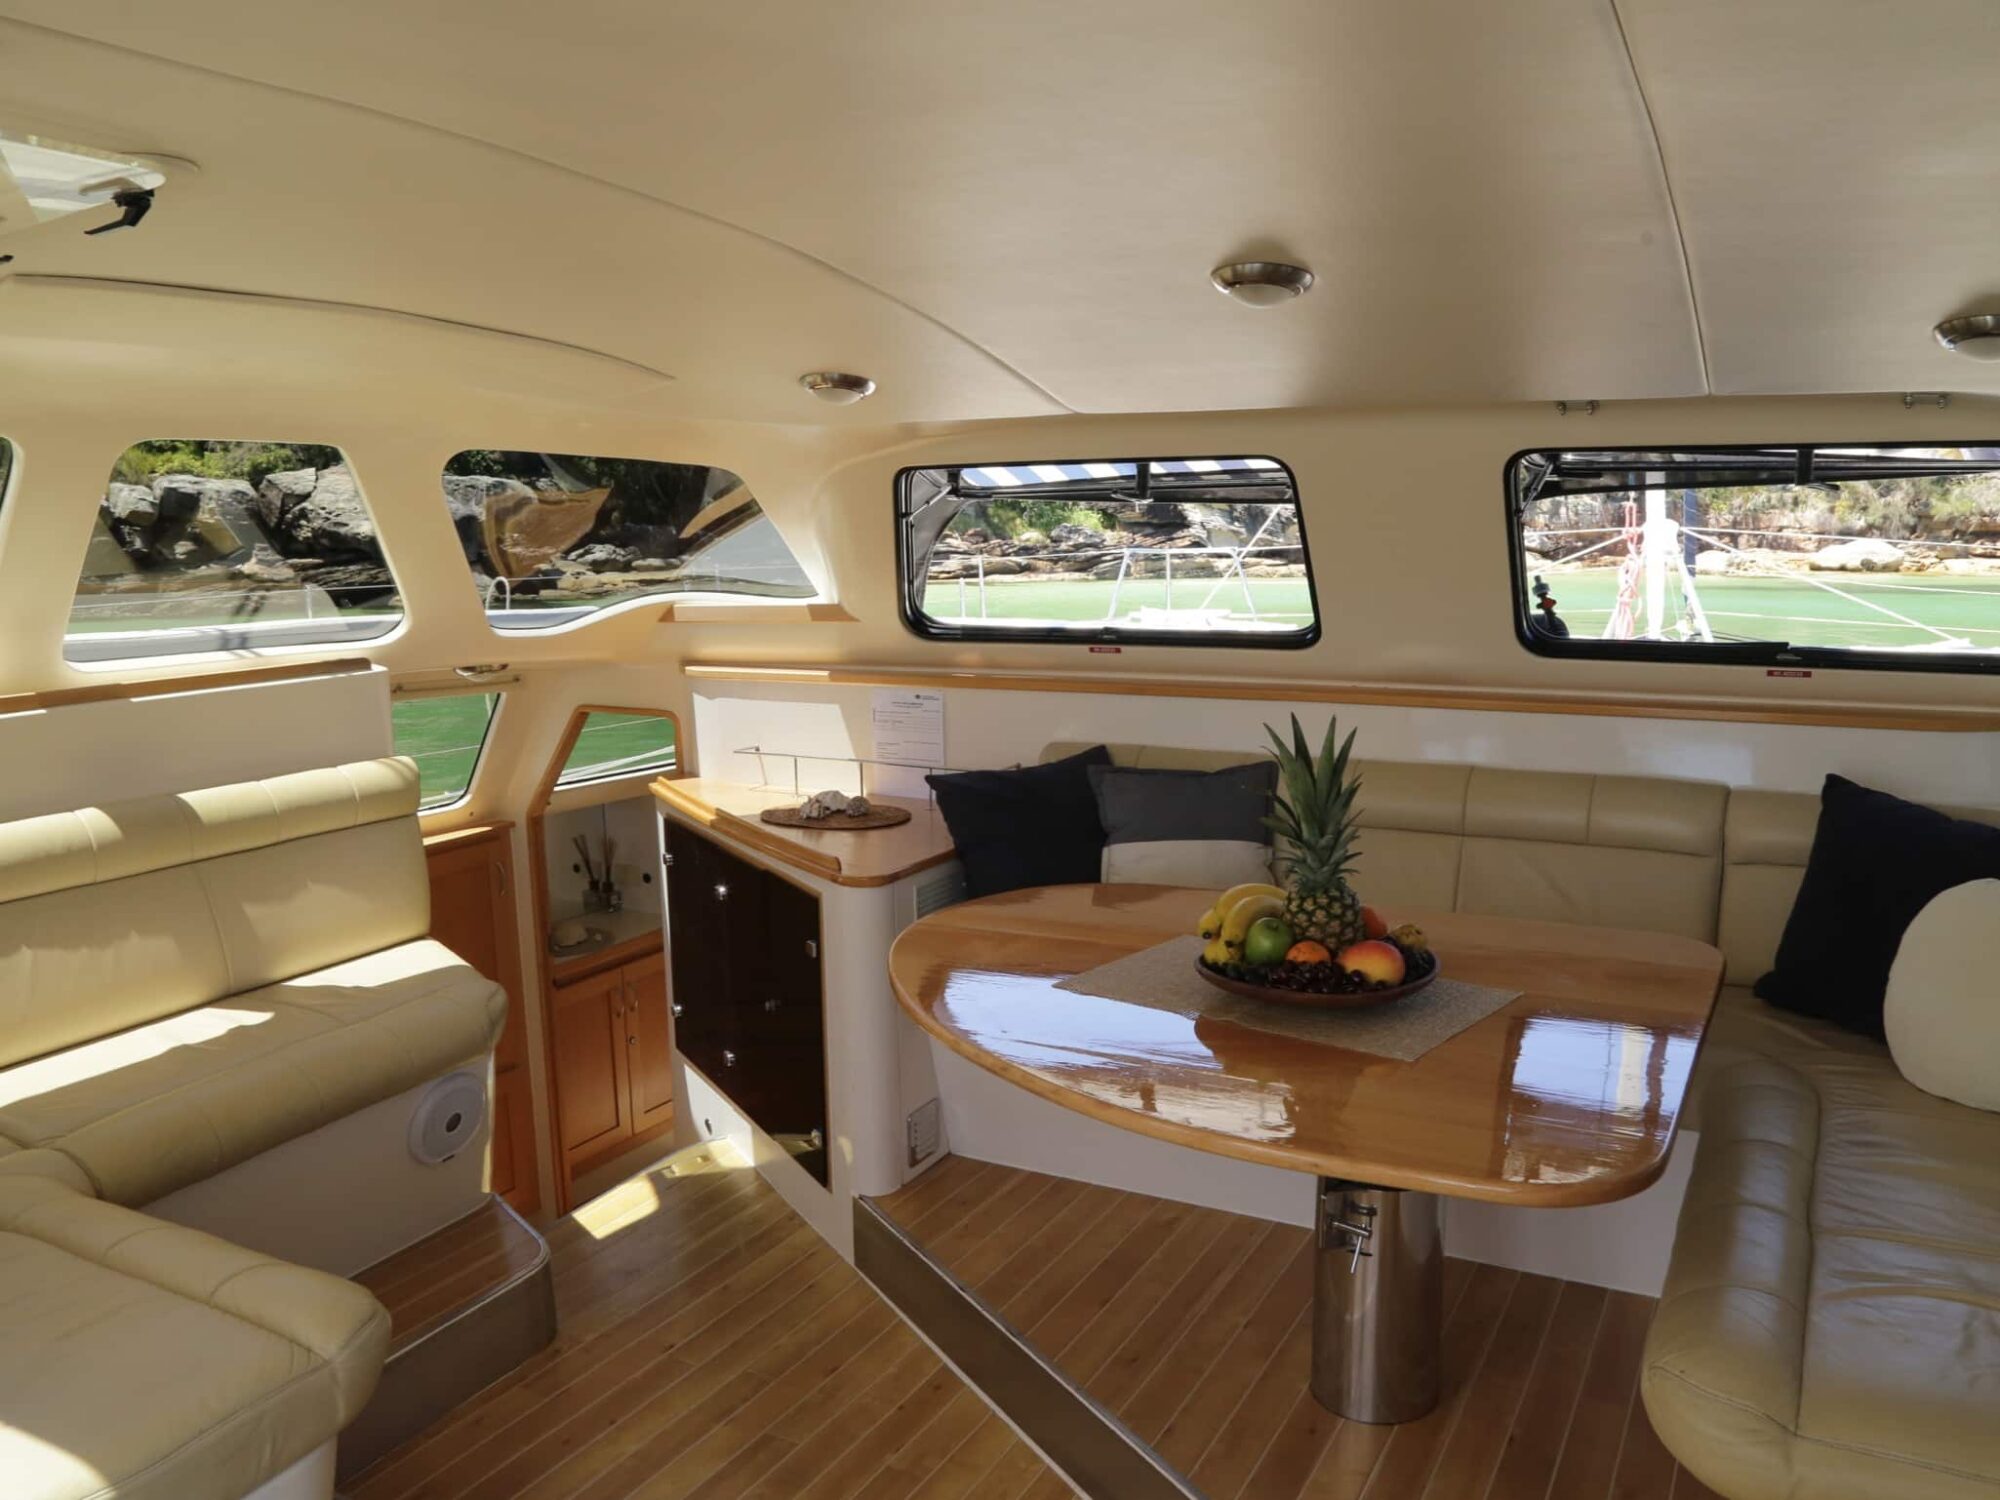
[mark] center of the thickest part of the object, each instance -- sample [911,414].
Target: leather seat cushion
[150,1110]
[1833,1306]
[150,1362]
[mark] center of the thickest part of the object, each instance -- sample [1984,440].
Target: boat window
[1785,556]
[1202,551]
[229,546]
[555,537]
[444,735]
[618,744]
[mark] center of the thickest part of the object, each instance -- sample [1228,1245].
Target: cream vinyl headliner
[1009,210]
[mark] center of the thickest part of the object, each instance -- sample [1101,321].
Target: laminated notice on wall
[909,731]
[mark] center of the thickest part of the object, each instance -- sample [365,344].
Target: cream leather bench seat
[189,980]
[1618,851]
[1830,1326]
[150,1362]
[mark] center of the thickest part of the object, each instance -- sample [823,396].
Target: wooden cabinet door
[698,891]
[649,1042]
[588,1045]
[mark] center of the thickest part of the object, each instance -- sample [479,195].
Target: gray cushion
[1197,828]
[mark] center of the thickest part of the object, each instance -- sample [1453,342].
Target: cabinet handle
[675,1009]
[770,1005]
[721,891]
[729,1059]
[812,948]
[500,875]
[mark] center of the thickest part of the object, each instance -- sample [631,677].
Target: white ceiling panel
[1837,172]
[1476,186]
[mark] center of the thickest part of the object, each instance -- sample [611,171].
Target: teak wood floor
[1192,1326]
[711,1346]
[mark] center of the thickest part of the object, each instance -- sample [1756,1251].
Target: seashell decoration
[829,804]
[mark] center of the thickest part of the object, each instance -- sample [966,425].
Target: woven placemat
[1163,978]
[875,817]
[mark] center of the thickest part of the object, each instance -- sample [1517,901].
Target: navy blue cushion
[1036,825]
[1876,862]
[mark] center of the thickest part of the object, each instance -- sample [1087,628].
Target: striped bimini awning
[1019,476]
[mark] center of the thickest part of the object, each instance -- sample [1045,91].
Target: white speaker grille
[448,1117]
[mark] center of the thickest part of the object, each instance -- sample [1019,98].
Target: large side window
[1205,551]
[1828,555]
[229,546]
[444,735]
[554,537]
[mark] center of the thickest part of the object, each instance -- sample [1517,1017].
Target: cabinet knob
[721,891]
[770,1005]
[729,1059]
[675,1009]
[631,1041]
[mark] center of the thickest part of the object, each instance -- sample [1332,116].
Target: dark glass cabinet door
[746,990]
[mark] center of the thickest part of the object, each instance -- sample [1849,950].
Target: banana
[1210,923]
[1246,912]
[1229,899]
[1217,953]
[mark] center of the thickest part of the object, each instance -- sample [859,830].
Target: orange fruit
[1308,952]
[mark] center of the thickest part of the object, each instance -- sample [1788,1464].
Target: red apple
[1376,961]
[1372,923]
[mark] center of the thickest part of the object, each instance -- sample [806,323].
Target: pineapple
[1315,820]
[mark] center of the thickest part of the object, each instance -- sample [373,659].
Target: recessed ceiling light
[1261,283]
[838,388]
[1976,337]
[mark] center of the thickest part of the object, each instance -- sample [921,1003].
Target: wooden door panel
[649,1036]
[472,913]
[513,1158]
[588,1046]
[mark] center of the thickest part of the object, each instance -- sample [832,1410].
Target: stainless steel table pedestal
[1378,1301]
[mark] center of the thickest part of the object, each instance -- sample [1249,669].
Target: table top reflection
[1568,1096]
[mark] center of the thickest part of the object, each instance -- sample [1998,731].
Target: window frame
[573,736]
[499,697]
[1759,654]
[925,628]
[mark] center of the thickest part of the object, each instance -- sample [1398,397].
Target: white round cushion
[1942,1007]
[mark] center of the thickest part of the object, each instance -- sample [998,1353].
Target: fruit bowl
[1294,981]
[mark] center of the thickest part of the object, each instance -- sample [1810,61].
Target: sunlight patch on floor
[638,1197]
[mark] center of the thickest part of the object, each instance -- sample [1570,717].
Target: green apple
[1266,941]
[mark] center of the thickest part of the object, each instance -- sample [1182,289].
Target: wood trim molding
[689,612]
[1399,695]
[161,687]
[471,833]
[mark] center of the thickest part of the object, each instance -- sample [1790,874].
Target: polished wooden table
[1568,1096]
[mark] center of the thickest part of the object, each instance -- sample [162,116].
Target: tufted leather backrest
[117,915]
[1618,851]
